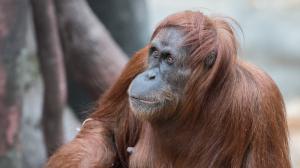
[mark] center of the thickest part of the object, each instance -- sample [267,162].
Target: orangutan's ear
[210,59]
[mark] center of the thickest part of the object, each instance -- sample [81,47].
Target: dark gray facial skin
[159,88]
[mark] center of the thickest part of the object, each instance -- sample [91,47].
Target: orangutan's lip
[144,100]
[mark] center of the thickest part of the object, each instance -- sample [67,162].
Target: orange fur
[233,114]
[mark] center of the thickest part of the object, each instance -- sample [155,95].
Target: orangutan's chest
[146,158]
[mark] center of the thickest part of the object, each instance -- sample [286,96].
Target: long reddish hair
[236,110]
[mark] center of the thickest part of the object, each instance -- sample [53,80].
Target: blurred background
[57,57]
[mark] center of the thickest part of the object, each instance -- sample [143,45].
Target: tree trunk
[127,20]
[13,15]
[92,58]
[52,67]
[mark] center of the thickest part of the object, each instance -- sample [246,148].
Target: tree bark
[92,57]
[127,21]
[13,14]
[52,67]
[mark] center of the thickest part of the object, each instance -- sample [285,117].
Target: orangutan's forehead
[169,36]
